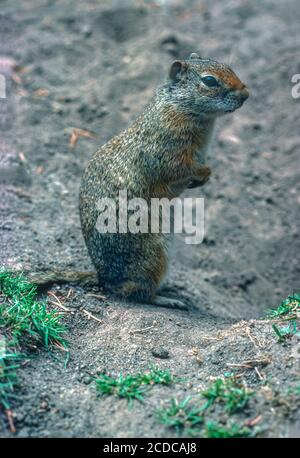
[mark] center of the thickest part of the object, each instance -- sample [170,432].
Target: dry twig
[91,316]
[76,133]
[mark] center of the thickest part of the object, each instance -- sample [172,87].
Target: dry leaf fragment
[41,92]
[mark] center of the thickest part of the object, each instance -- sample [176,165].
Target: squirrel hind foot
[169,302]
[144,293]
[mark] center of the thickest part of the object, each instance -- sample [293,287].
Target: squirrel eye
[210,81]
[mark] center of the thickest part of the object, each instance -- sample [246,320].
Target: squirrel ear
[194,55]
[177,69]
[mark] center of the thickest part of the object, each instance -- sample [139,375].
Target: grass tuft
[8,377]
[23,315]
[132,386]
[231,393]
[285,332]
[192,418]
[216,431]
[288,310]
[181,415]
[288,307]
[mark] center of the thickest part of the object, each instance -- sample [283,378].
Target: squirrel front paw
[200,178]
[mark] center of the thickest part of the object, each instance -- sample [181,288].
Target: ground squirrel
[159,155]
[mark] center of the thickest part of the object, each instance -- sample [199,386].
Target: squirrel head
[205,87]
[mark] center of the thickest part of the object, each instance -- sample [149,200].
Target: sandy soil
[93,65]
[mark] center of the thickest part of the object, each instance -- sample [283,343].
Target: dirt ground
[93,65]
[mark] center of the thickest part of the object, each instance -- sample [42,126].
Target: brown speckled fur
[157,156]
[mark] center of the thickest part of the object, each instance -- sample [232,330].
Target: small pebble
[160,352]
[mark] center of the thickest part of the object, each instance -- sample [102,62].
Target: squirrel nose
[243,93]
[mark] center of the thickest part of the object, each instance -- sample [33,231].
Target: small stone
[86,30]
[257,126]
[160,352]
[87,380]
[44,405]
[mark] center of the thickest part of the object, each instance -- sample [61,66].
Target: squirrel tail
[46,277]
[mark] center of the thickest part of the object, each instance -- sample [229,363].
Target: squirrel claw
[197,183]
